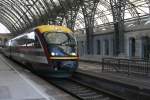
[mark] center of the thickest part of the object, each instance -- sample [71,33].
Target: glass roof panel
[36,9]
[134,8]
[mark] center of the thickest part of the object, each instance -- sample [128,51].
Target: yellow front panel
[53,28]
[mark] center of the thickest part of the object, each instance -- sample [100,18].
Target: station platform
[95,69]
[91,58]
[17,83]
[95,58]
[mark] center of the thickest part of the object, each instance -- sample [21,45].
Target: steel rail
[81,90]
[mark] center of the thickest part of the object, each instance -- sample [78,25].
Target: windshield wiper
[63,44]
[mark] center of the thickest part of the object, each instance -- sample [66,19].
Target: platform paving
[95,69]
[17,83]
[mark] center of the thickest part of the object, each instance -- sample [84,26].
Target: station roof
[135,9]
[19,15]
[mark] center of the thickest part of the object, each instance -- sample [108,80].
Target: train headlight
[73,54]
[53,53]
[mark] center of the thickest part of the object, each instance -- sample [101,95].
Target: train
[49,50]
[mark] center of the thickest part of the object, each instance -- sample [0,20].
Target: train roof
[53,28]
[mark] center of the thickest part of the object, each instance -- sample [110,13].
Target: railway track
[82,91]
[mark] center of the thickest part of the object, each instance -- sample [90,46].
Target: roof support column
[148,2]
[72,14]
[118,10]
[89,9]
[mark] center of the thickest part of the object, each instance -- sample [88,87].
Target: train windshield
[61,44]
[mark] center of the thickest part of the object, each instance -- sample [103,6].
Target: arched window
[146,47]
[132,47]
[98,47]
[106,47]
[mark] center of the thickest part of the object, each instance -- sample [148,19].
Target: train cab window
[61,44]
[19,41]
[32,40]
[59,38]
[22,41]
[37,42]
[55,38]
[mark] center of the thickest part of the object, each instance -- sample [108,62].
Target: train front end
[61,47]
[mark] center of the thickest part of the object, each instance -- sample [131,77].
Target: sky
[3,29]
